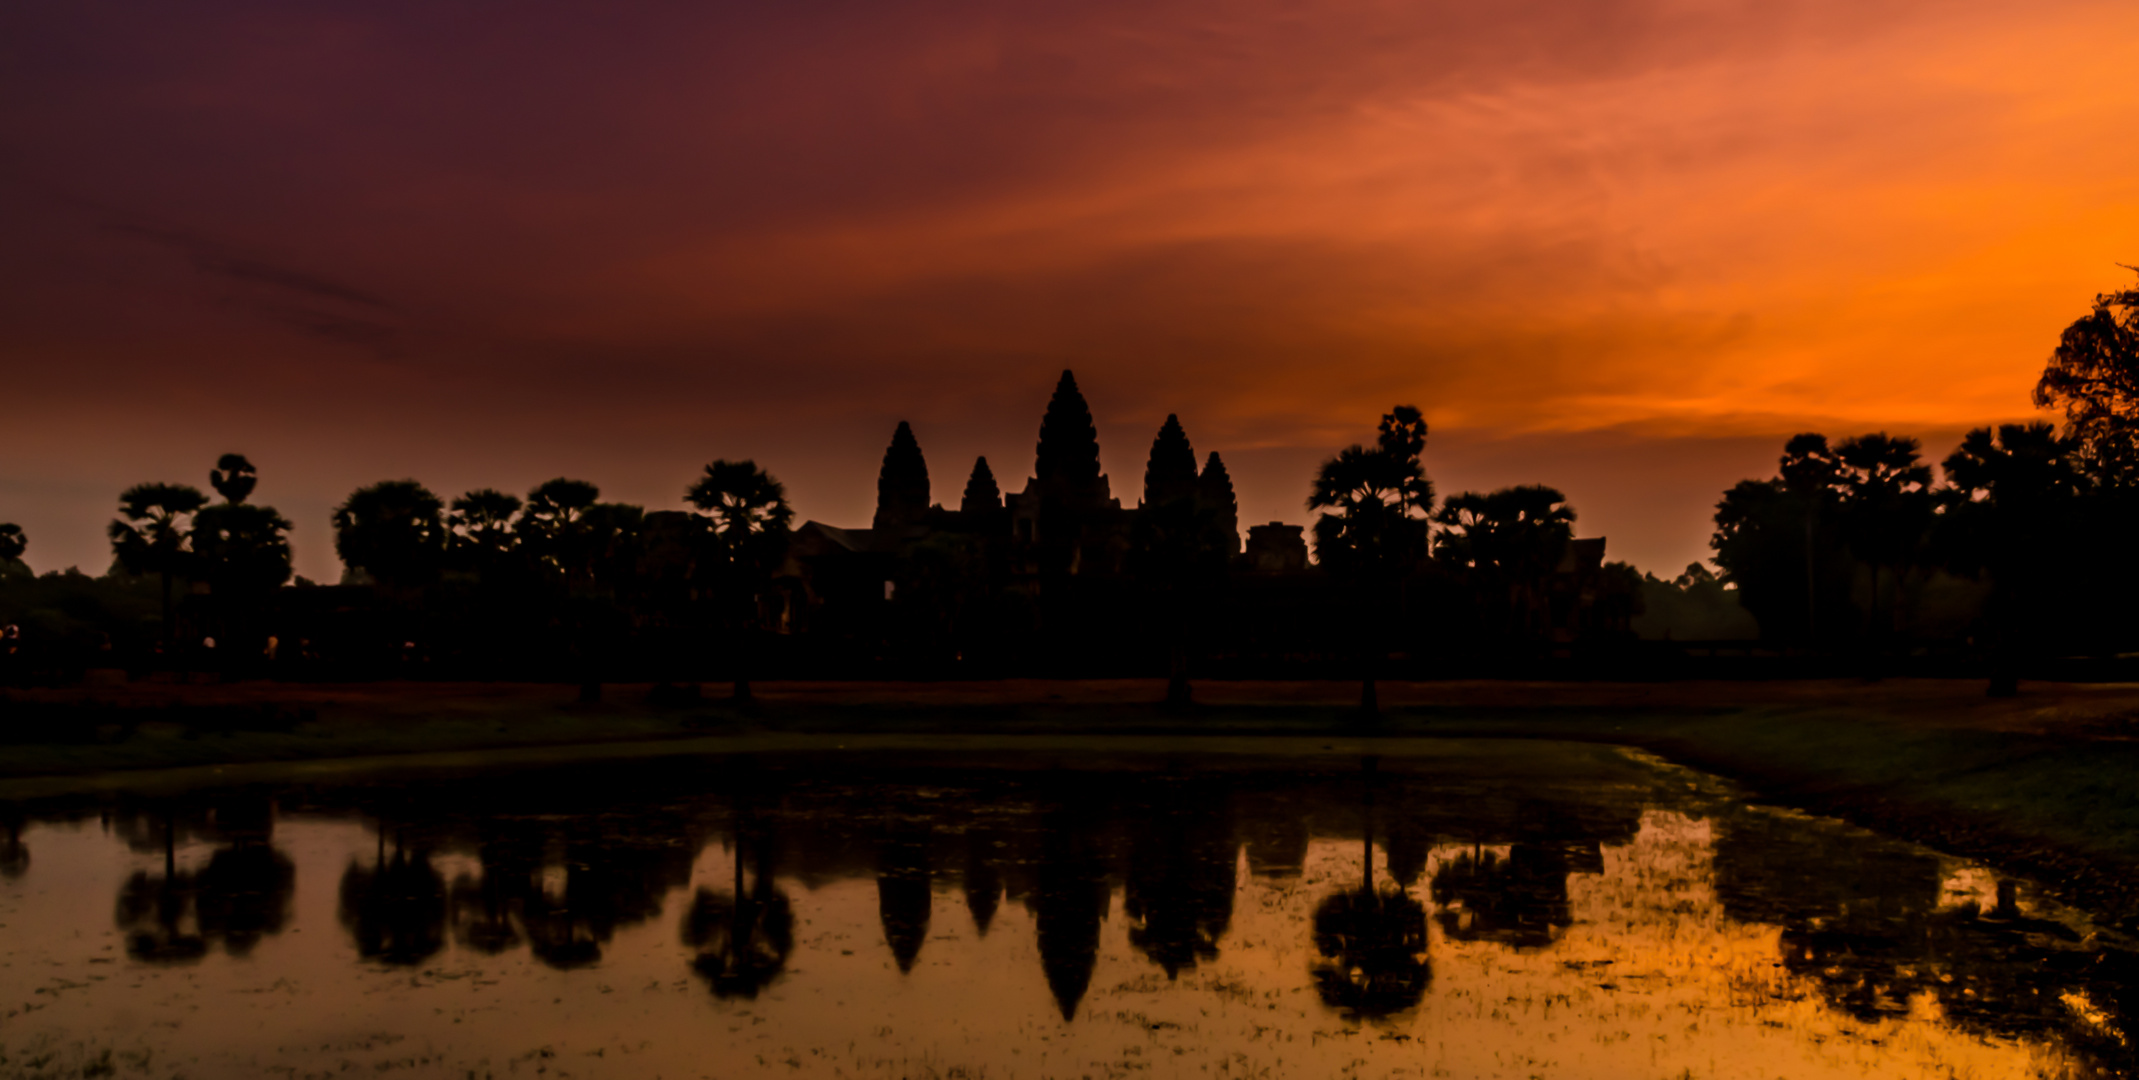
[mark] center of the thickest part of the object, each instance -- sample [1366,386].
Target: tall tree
[1170,472]
[1508,541]
[243,552]
[1214,496]
[12,542]
[482,523]
[1886,512]
[1780,542]
[2007,512]
[2093,375]
[982,496]
[749,538]
[393,530]
[153,535]
[233,478]
[550,528]
[902,482]
[1373,529]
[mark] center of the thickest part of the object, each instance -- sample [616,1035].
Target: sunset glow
[1622,248]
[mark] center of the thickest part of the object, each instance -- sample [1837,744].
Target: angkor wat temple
[1054,556]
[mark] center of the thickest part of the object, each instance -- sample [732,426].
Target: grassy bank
[2041,785]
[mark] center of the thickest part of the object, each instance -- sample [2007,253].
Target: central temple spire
[902,484]
[1067,468]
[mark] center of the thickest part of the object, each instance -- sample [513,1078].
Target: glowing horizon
[1624,249]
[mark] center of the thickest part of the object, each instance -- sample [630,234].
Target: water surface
[1480,909]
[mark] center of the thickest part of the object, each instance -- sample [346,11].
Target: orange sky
[1622,247]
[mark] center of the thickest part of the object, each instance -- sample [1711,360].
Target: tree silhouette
[233,478]
[1372,942]
[154,534]
[393,530]
[551,527]
[1179,891]
[395,909]
[159,914]
[902,482]
[749,538]
[244,553]
[982,496]
[482,524]
[2093,375]
[12,542]
[244,894]
[1510,540]
[743,937]
[1519,901]
[2009,502]
[1886,510]
[1782,543]
[1374,527]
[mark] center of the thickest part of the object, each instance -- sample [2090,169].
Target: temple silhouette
[1066,537]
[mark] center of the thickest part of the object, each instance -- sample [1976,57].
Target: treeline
[2020,549]
[1856,549]
[561,585]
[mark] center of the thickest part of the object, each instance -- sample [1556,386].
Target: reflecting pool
[1441,909]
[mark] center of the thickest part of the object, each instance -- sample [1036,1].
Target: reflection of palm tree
[396,909]
[245,893]
[482,908]
[1179,893]
[1519,901]
[742,937]
[158,914]
[1372,943]
[903,897]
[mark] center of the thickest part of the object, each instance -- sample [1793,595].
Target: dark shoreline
[2036,785]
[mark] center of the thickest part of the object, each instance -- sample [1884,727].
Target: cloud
[311,304]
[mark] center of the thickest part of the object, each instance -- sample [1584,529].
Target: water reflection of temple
[559,866]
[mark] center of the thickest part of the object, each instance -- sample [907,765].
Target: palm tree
[1511,538]
[482,523]
[12,542]
[550,527]
[244,552]
[154,534]
[1886,511]
[393,530]
[742,938]
[1372,941]
[2007,506]
[749,538]
[233,478]
[1374,528]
